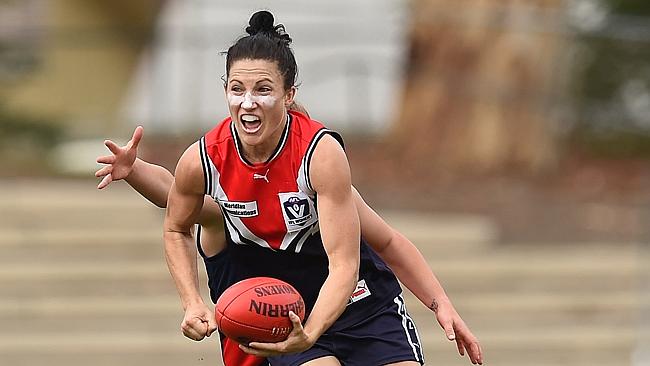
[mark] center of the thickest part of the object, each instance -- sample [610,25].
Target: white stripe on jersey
[302,176]
[314,229]
[239,233]
[303,186]
[306,160]
[204,163]
[292,236]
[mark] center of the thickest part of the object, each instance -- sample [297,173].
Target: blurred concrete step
[545,265]
[209,355]
[495,312]
[128,281]
[83,281]
[104,348]
[34,189]
[97,323]
[535,356]
[72,202]
[95,216]
[34,281]
[526,283]
[117,247]
[444,233]
[541,345]
[29,205]
[68,240]
[85,314]
[517,312]
[580,345]
[86,271]
[72,288]
[194,355]
[459,276]
[524,270]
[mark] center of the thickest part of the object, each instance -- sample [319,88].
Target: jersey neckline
[276,151]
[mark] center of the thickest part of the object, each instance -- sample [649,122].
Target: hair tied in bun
[265,41]
[261,21]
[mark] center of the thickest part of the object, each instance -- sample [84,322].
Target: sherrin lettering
[274,290]
[276,310]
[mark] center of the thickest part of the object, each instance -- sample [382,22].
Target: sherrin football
[257,310]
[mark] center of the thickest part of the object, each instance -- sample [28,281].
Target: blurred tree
[478,83]
[612,88]
[73,59]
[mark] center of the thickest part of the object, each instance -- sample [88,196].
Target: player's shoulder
[189,171]
[303,127]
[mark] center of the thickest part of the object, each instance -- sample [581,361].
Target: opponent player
[296,133]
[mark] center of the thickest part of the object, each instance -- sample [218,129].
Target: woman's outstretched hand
[120,164]
[456,330]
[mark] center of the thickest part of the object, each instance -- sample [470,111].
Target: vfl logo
[298,210]
[260,176]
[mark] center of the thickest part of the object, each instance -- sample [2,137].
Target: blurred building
[350,56]
[70,61]
[98,67]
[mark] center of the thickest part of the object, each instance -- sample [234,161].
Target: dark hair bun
[262,22]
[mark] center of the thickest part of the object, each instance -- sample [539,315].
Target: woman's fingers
[448,327]
[105,182]
[194,328]
[112,147]
[137,136]
[295,320]
[108,159]
[461,348]
[475,353]
[103,171]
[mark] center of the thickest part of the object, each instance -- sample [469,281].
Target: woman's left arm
[412,270]
[340,231]
[339,227]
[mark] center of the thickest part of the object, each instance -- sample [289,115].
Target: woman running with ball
[282,184]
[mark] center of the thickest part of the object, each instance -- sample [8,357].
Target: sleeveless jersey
[271,222]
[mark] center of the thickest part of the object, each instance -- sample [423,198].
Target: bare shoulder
[188,176]
[329,165]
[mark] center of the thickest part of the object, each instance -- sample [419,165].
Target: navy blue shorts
[387,336]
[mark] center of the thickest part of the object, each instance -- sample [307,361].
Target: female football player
[282,182]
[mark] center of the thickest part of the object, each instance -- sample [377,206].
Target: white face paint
[257,101]
[248,100]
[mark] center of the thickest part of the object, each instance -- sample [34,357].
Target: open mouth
[250,123]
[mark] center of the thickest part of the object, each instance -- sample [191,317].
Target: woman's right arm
[152,181]
[184,204]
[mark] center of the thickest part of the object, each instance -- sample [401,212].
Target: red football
[257,310]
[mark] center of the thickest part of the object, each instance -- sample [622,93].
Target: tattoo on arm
[434,306]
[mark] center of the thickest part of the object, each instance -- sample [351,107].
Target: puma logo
[260,176]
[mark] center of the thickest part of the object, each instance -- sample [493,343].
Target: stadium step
[501,311]
[83,281]
[585,346]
